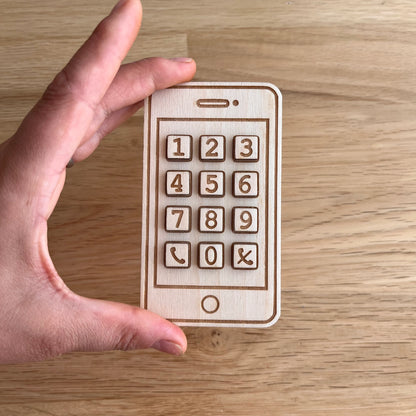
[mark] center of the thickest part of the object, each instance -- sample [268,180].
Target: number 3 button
[246,148]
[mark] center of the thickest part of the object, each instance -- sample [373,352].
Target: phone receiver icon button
[210,304]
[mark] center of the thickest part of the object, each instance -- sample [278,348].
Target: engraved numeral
[211,219]
[246,184]
[211,255]
[246,148]
[178,218]
[245,220]
[212,148]
[178,183]
[179,147]
[211,183]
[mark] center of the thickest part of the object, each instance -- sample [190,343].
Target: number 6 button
[246,184]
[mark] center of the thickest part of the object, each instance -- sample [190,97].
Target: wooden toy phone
[211,204]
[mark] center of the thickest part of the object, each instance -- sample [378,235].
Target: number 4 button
[178,183]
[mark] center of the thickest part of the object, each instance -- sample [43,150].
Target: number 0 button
[211,255]
[246,184]
[178,183]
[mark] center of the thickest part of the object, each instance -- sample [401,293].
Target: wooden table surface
[345,342]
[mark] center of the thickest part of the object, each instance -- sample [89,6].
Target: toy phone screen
[212,196]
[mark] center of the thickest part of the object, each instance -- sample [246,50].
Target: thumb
[99,325]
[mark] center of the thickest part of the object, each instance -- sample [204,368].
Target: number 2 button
[212,148]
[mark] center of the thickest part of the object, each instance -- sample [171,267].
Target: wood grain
[345,342]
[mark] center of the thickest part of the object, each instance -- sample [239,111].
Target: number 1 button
[178,147]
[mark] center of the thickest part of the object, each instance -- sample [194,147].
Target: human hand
[40,317]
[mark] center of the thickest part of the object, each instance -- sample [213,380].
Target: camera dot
[235,102]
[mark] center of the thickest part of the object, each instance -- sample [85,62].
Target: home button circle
[210,304]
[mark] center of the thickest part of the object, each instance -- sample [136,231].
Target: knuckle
[58,88]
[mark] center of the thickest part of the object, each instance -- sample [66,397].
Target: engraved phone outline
[275,213]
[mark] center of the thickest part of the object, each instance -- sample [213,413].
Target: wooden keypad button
[246,148]
[245,220]
[212,148]
[178,218]
[179,147]
[245,184]
[211,255]
[211,183]
[244,256]
[178,183]
[211,219]
[177,254]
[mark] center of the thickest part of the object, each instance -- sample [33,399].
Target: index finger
[53,129]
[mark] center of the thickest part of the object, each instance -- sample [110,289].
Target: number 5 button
[211,183]
[246,184]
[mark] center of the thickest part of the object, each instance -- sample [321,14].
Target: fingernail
[118,5]
[168,347]
[183,60]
